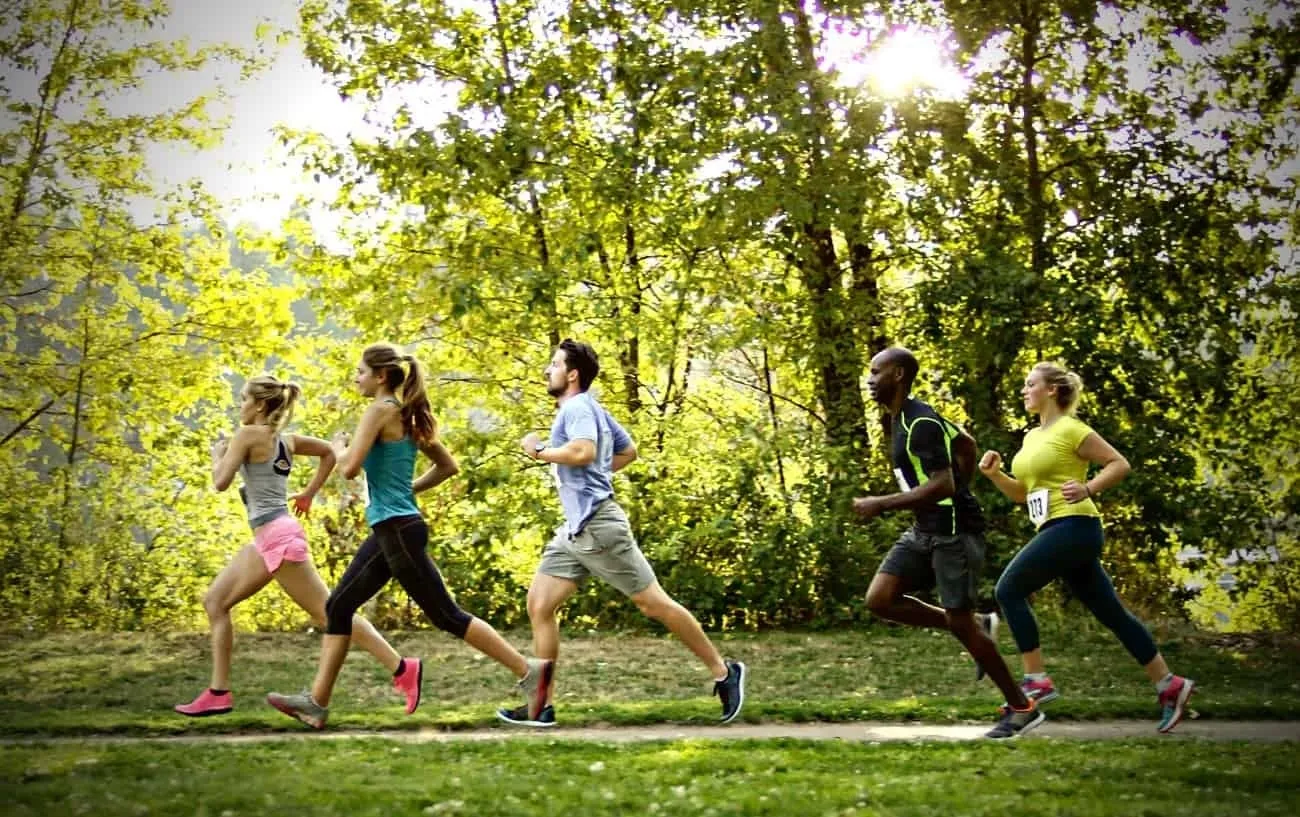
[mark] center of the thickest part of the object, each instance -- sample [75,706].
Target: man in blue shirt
[586,447]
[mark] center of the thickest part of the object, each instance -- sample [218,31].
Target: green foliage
[695,190]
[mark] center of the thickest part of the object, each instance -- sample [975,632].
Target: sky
[250,173]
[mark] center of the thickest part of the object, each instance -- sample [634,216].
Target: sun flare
[892,63]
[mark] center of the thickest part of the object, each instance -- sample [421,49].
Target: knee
[1005,592]
[961,623]
[540,608]
[338,620]
[658,606]
[451,619]
[214,605]
[879,601]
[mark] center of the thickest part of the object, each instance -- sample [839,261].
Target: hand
[529,443]
[1075,491]
[301,503]
[990,463]
[219,447]
[868,507]
[340,442]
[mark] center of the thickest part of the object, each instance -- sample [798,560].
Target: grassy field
[357,777]
[70,684]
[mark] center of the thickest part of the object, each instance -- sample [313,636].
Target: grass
[358,777]
[71,684]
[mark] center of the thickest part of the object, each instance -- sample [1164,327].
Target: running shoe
[300,706]
[1173,702]
[208,703]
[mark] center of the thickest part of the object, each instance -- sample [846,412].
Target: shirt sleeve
[579,421]
[929,444]
[622,440]
[1075,432]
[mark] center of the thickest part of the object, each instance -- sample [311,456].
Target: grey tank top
[265,488]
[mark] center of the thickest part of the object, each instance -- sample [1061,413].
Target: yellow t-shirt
[1049,459]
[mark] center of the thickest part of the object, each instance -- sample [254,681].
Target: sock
[1164,682]
[1035,676]
[401,667]
[218,691]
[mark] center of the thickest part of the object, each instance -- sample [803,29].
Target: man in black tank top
[933,461]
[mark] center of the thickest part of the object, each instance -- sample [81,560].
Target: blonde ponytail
[1068,385]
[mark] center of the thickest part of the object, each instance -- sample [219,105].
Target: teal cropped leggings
[1068,548]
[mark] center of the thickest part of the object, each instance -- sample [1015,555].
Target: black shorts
[951,564]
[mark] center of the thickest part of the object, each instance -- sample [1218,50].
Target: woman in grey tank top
[263,456]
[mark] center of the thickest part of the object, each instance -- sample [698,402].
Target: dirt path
[1253,731]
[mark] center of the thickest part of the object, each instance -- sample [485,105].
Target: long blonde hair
[277,398]
[1068,385]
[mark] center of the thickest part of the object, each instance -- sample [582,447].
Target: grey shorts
[605,548]
[951,564]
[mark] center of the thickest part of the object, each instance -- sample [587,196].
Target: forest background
[709,193]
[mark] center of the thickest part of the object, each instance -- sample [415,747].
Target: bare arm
[937,488]
[576,453]
[965,456]
[444,467]
[352,456]
[624,458]
[1114,467]
[1012,488]
[227,457]
[314,447]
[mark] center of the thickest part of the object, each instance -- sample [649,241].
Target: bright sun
[893,63]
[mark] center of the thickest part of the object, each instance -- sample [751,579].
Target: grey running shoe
[536,685]
[1015,723]
[519,716]
[731,690]
[989,624]
[300,706]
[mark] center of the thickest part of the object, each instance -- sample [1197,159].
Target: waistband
[267,518]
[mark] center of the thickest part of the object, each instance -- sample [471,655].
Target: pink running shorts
[281,540]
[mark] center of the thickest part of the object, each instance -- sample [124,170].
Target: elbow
[349,470]
[1122,466]
[451,469]
[221,483]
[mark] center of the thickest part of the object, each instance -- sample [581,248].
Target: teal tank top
[390,470]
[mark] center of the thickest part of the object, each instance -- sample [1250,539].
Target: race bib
[902,481]
[1037,504]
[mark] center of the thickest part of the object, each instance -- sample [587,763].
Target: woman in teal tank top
[397,423]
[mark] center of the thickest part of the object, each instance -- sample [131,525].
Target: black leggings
[395,550]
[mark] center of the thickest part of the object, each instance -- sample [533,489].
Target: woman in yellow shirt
[1050,476]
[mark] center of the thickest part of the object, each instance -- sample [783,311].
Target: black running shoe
[731,690]
[1014,724]
[519,716]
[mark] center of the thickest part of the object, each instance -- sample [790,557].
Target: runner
[1051,479]
[586,447]
[397,423]
[263,456]
[933,461]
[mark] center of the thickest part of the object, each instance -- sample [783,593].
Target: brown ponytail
[404,375]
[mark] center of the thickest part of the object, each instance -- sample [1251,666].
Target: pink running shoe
[207,704]
[1039,691]
[1173,702]
[409,682]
